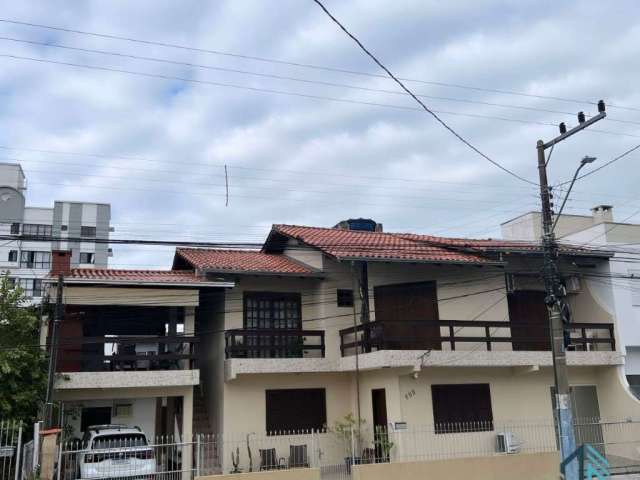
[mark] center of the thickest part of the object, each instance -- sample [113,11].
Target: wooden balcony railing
[428,335]
[141,352]
[274,343]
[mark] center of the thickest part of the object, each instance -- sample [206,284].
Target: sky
[321,145]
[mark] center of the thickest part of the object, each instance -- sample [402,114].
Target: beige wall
[294,474]
[166,297]
[540,466]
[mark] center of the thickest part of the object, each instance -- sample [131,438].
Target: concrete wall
[294,474]
[539,466]
[143,414]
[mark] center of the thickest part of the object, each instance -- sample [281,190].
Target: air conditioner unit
[573,285]
[507,442]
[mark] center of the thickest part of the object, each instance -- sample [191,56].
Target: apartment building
[27,259]
[600,230]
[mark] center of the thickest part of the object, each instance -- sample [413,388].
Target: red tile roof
[169,277]
[242,261]
[349,244]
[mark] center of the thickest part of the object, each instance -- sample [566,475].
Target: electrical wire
[298,64]
[409,92]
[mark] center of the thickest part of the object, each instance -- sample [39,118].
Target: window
[64,228]
[345,298]
[87,231]
[271,312]
[32,287]
[295,409]
[462,408]
[30,259]
[13,256]
[36,230]
[15,229]
[87,258]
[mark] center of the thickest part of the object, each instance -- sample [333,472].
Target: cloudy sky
[320,145]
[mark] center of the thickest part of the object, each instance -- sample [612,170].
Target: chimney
[60,262]
[602,213]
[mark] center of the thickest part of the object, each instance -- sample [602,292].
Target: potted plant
[349,431]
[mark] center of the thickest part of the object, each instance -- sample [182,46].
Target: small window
[462,408]
[295,410]
[13,256]
[15,229]
[345,298]
[87,231]
[64,228]
[87,258]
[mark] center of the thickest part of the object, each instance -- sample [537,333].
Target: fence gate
[10,443]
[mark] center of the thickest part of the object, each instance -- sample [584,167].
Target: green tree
[23,374]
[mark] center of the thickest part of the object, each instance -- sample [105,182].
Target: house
[599,230]
[400,330]
[27,262]
[128,353]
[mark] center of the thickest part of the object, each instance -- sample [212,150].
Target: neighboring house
[127,350]
[404,329]
[28,262]
[599,230]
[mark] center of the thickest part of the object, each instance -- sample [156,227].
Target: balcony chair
[298,456]
[269,460]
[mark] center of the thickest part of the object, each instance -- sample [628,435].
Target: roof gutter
[90,281]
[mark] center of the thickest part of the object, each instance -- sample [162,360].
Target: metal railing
[10,449]
[335,452]
[488,335]
[274,343]
[131,352]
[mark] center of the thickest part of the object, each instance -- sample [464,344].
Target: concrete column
[187,433]
[189,329]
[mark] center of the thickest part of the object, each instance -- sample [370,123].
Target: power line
[591,172]
[293,79]
[409,92]
[301,64]
[283,92]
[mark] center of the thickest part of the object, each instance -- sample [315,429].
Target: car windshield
[120,440]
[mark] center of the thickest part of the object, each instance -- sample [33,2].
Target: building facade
[39,230]
[600,230]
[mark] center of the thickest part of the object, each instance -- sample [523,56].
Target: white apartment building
[600,230]
[29,261]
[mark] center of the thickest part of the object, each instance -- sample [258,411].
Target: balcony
[128,353]
[469,335]
[274,343]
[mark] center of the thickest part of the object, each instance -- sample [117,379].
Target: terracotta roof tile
[239,261]
[350,244]
[134,276]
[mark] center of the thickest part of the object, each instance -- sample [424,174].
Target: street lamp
[583,162]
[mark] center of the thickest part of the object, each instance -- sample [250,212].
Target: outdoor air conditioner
[507,442]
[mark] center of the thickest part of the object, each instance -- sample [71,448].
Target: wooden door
[381,439]
[409,312]
[529,320]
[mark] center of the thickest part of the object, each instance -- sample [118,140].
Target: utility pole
[53,354]
[555,299]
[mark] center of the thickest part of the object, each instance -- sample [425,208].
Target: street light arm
[566,197]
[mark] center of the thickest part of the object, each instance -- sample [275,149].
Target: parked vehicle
[116,451]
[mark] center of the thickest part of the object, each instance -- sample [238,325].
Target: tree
[23,374]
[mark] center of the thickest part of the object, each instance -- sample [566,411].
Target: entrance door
[94,416]
[586,412]
[381,439]
[529,320]
[406,310]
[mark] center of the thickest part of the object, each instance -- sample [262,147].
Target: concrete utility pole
[53,354]
[555,298]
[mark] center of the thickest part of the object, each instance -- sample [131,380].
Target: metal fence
[335,452]
[10,449]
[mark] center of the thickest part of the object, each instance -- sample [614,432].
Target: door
[410,314]
[381,439]
[94,416]
[529,320]
[586,413]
